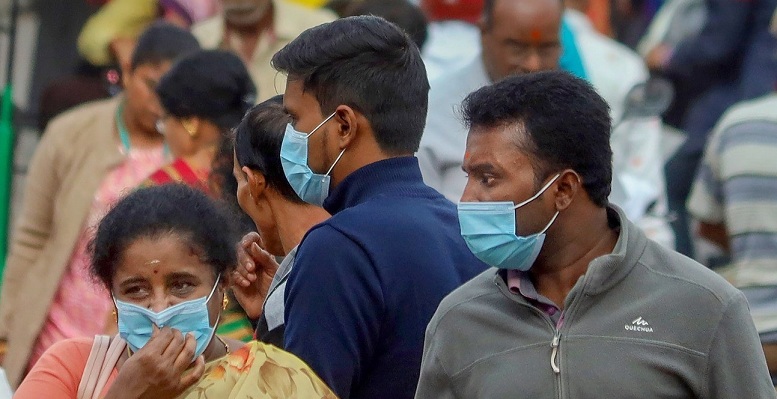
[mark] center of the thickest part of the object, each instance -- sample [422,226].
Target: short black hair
[402,13]
[210,84]
[158,211]
[369,64]
[565,124]
[162,42]
[258,141]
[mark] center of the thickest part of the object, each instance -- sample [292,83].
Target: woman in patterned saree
[204,96]
[168,270]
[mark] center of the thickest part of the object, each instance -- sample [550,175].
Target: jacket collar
[608,270]
[390,176]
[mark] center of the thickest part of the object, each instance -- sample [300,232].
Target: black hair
[258,141]
[162,42]
[216,86]
[369,64]
[158,211]
[402,13]
[210,84]
[222,182]
[565,124]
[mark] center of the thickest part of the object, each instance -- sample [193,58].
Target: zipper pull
[554,353]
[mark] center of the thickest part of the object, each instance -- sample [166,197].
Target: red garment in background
[442,10]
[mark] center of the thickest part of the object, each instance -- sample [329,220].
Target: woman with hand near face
[168,269]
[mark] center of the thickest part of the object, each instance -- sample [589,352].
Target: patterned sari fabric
[234,322]
[258,371]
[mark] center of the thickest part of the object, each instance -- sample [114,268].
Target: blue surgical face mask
[489,230]
[135,322]
[313,188]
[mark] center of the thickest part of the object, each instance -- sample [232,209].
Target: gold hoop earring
[115,315]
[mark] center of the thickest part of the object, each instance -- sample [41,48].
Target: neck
[214,350]
[202,159]
[566,257]
[139,136]
[294,220]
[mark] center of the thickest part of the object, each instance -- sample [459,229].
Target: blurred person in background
[733,55]
[87,159]
[454,37]
[204,96]
[282,219]
[255,30]
[734,199]
[110,34]
[105,45]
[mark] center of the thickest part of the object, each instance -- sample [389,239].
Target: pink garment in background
[81,305]
[193,10]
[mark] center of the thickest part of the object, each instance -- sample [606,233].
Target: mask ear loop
[321,124]
[218,278]
[550,224]
[542,190]
[336,161]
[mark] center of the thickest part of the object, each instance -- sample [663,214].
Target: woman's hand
[159,369]
[255,270]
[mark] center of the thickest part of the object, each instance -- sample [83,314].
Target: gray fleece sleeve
[434,381]
[736,365]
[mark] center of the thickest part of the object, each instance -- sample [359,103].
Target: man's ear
[256,182]
[347,120]
[568,186]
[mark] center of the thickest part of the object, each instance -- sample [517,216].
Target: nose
[532,63]
[159,303]
[469,192]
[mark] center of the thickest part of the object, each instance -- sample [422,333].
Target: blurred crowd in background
[690,85]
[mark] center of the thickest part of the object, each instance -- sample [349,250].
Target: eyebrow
[180,275]
[479,168]
[132,280]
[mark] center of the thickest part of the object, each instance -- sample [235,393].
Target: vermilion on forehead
[536,36]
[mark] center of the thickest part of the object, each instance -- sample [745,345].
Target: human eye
[487,179]
[135,291]
[182,287]
[516,48]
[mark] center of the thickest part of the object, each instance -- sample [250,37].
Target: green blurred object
[7,141]
[6,171]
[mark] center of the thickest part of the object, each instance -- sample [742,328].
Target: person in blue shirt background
[365,282]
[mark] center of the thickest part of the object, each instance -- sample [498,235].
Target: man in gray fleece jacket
[580,303]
